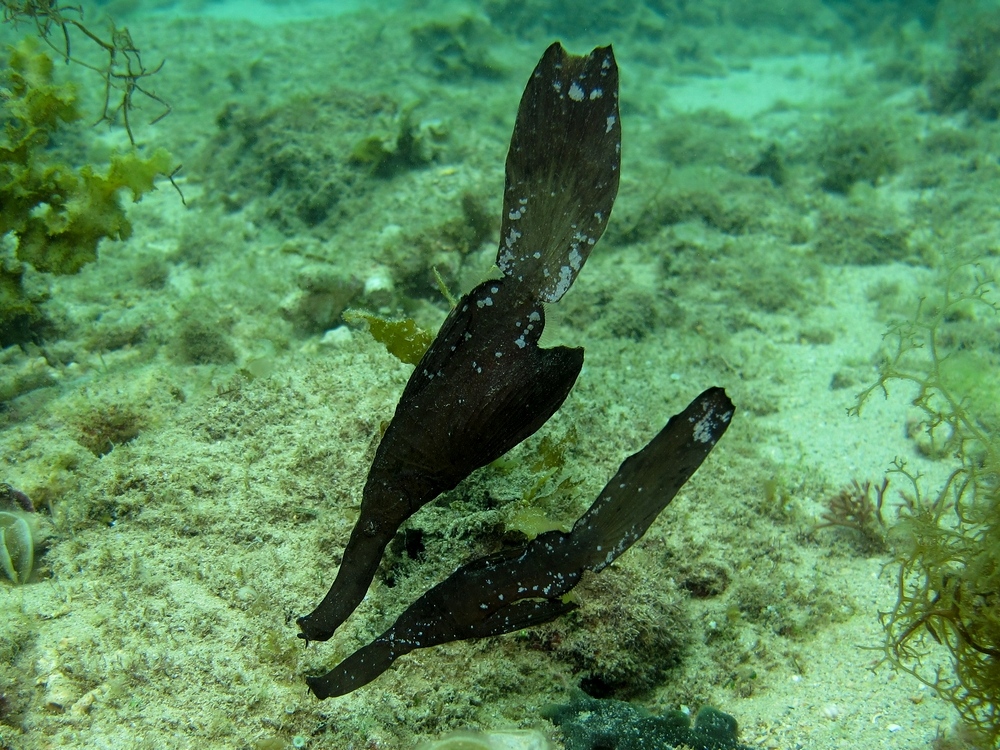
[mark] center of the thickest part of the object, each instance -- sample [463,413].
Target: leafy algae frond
[946,544]
[57,212]
[403,339]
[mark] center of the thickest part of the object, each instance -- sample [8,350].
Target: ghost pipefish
[485,385]
[522,587]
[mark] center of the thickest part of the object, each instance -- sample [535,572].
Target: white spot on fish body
[575,259]
[576,92]
[597,93]
[704,429]
[564,282]
[610,124]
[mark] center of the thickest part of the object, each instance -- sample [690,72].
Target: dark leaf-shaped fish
[648,480]
[523,587]
[482,387]
[562,170]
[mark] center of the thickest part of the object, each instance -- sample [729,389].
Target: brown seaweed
[519,588]
[484,385]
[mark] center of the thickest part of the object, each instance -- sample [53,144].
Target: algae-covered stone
[592,724]
[858,152]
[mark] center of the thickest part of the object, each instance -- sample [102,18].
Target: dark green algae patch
[593,724]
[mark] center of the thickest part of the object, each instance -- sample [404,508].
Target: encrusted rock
[60,692]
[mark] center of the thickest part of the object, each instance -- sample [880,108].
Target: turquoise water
[193,416]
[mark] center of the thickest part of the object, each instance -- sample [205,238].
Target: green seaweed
[202,341]
[457,48]
[57,214]
[946,543]
[123,72]
[403,144]
[858,152]
[76,210]
[403,339]
[973,81]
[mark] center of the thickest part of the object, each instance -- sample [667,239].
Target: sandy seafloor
[196,423]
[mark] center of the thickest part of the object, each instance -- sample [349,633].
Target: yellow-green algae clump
[403,339]
[57,213]
[946,543]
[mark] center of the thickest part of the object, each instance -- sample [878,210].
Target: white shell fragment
[17,547]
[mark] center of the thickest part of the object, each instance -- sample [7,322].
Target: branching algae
[946,544]
[124,73]
[484,385]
